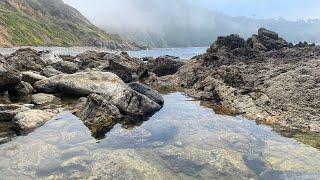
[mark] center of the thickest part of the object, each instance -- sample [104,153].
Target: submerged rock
[32,119]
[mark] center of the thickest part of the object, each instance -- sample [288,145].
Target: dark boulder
[9,77]
[66,67]
[21,89]
[49,71]
[163,66]
[230,42]
[271,40]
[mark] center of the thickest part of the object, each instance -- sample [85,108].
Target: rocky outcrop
[8,111]
[264,78]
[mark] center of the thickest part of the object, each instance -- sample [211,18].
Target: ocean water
[183,53]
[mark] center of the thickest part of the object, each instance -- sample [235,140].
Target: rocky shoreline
[263,78]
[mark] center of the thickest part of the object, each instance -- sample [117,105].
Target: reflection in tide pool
[182,141]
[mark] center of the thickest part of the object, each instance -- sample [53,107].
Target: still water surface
[182,141]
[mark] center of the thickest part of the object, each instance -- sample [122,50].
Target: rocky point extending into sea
[264,78]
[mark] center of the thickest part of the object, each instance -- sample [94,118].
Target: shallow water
[182,141]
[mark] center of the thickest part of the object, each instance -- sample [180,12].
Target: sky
[260,9]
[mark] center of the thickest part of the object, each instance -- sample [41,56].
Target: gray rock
[32,77]
[147,91]
[8,111]
[66,67]
[99,115]
[31,119]
[49,71]
[124,72]
[41,99]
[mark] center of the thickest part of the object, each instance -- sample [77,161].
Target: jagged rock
[163,66]
[9,77]
[99,115]
[230,42]
[271,40]
[8,111]
[31,119]
[27,60]
[147,91]
[49,71]
[41,99]
[31,77]
[21,89]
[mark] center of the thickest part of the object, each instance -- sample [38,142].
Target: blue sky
[288,9]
